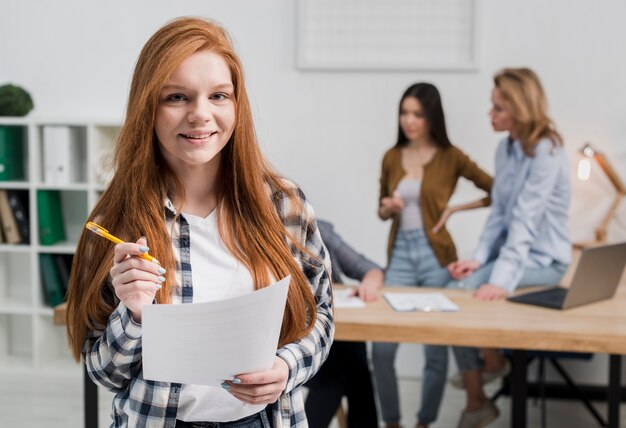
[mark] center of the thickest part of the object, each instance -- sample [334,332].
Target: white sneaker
[486,377]
[479,418]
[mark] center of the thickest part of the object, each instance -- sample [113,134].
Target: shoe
[486,377]
[479,418]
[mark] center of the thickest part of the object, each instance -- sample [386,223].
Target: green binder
[50,281]
[12,153]
[51,227]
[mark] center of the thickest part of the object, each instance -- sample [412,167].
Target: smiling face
[195,117]
[500,114]
[413,120]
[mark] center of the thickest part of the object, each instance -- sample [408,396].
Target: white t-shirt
[215,275]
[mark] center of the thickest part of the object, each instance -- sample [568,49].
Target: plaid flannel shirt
[113,354]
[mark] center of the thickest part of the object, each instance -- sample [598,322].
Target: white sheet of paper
[206,343]
[344,299]
[424,302]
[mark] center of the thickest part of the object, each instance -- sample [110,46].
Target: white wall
[328,130]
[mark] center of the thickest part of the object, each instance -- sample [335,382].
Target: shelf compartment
[101,163]
[52,345]
[15,282]
[15,217]
[62,215]
[14,153]
[16,339]
[54,272]
[63,152]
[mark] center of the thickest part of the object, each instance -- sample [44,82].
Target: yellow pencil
[99,230]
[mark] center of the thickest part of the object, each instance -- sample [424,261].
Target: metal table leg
[518,389]
[90,396]
[614,390]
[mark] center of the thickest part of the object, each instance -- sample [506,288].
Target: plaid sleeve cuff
[128,326]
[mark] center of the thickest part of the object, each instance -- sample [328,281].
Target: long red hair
[132,205]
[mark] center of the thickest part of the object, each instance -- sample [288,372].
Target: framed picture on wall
[387,35]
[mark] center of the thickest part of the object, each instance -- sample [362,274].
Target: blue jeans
[412,263]
[468,358]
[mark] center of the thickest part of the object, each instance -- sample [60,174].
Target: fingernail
[158,286]
[225,386]
[144,238]
[143,249]
[161,279]
[162,271]
[236,380]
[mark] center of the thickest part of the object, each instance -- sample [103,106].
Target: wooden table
[599,327]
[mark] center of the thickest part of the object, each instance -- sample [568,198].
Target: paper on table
[425,302]
[206,343]
[344,299]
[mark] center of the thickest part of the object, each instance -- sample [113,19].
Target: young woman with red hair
[191,182]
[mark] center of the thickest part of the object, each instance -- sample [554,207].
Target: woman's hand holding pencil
[135,279]
[136,274]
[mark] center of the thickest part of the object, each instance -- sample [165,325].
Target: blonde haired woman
[525,240]
[191,182]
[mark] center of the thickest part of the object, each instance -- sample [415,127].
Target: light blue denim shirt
[527,226]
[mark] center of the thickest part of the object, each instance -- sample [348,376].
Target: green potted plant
[14,101]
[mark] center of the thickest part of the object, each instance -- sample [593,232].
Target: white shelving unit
[28,338]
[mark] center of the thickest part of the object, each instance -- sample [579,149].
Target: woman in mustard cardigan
[418,177]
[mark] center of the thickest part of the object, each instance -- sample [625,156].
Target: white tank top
[411,215]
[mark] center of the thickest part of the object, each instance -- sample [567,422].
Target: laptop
[596,278]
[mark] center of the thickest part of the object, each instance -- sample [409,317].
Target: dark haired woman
[418,177]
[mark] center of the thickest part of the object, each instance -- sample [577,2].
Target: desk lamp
[584,170]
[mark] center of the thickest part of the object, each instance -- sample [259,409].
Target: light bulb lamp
[584,169]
